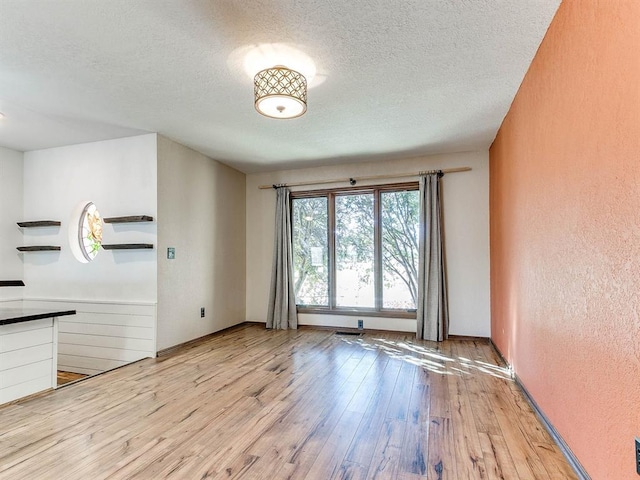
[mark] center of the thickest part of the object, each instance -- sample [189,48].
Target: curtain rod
[354,180]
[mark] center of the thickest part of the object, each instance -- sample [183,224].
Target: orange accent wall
[565,232]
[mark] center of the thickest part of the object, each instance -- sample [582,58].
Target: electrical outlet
[360,324]
[638,456]
[202,312]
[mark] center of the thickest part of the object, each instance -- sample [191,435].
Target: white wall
[119,176]
[10,213]
[201,213]
[109,293]
[466,220]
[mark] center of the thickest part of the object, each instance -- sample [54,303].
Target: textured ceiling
[394,78]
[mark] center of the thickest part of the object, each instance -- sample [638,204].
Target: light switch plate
[171,253]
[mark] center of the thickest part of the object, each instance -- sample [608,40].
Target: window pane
[399,222]
[355,251]
[310,258]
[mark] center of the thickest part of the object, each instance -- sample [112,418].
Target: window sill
[359,313]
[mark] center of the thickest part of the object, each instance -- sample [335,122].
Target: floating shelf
[129,219]
[40,223]
[39,248]
[127,246]
[11,283]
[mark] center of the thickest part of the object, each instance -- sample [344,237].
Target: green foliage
[400,223]
[354,218]
[310,231]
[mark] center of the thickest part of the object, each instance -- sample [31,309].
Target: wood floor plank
[364,442]
[331,456]
[416,438]
[67,377]
[441,464]
[497,459]
[467,448]
[250,403]
[482,410]
[388,450]
[398,408]
[525,458]
[350,471]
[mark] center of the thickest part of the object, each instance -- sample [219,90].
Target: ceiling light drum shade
[280,92]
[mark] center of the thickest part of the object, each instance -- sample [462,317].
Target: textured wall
[565,232]
[201,213]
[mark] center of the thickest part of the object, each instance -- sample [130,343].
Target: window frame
[330,194]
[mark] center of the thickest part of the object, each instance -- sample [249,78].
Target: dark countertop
[17,315]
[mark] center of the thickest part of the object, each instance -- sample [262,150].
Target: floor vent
[355,334]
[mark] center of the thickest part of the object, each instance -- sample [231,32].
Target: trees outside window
[399,225]
[310,252]
[356,249]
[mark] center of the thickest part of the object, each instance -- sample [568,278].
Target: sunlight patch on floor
[431,359]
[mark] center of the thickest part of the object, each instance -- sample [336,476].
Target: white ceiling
[395,78]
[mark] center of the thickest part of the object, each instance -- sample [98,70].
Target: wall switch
[202,312]
[360,324]
[171,253]
[638,456]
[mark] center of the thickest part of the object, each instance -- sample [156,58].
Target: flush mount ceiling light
[280,92]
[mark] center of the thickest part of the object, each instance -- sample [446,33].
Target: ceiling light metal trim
[280,92]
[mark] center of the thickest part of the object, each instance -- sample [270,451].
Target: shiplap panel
[87,365]
[26,388]
[25,373]
[11,303]
[24,339]
[123,343]
[27,358]
[115,308]
[26,326]
[102,335]
[140,321]
[106,330]
[15,358]
[101,352]
[83,371]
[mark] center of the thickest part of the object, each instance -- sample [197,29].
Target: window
[310,251]
[356,249]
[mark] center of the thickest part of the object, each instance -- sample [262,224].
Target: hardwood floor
[67,377]
[256,404]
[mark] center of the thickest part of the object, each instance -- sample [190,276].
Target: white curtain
[432,311]
[282,303]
